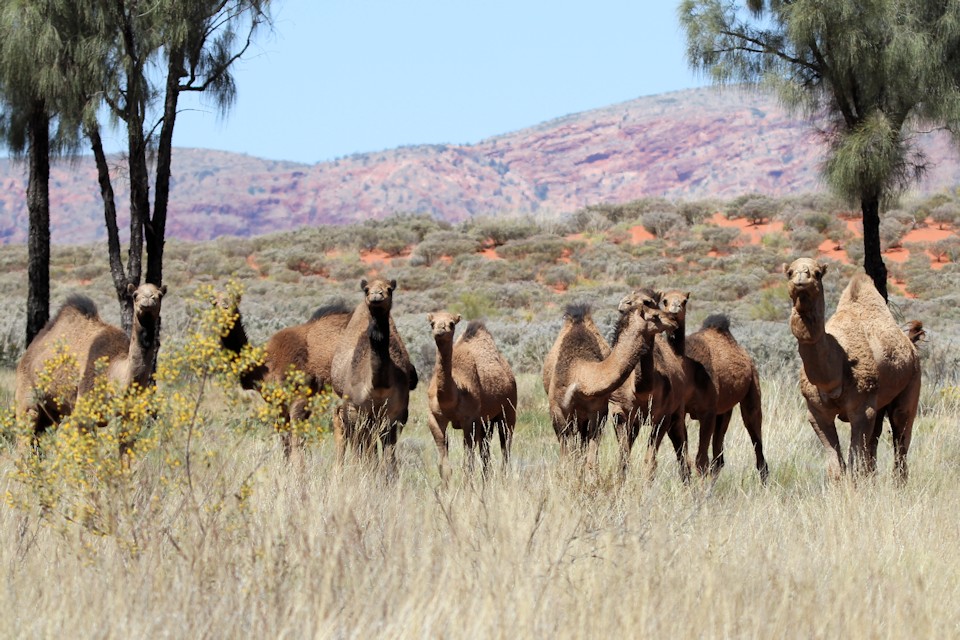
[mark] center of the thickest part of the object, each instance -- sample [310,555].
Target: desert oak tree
[873,73]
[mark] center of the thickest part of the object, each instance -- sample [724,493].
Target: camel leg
[707,430]
[657,432]
[388,440]
[506,425]
[484,433]
[902,413]
[469,440]
[862,425]
[339,435]
[826,429]
[293,441]
[591,436]
[440,438]
[678,437]
[719,435]
[752,413]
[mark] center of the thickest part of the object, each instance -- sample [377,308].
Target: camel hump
[473,329]
[577,313]
[332,309]
[861,289]
[82,304]
[718,321]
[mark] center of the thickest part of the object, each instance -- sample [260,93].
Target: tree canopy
[871,73]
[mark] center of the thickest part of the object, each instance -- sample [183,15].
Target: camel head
[674,303]
[443,324]
[378,293]
[146,300]
[915,331]
[644,305]
[805,276]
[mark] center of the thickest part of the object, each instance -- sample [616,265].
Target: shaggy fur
[654,391]
[858,366]
[77,327]
[372,373]
[720,375]
[473,388]
[581,371]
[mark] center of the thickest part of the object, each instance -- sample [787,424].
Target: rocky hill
[690,144]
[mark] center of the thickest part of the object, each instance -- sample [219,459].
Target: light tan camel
[373,376]
[654,392]
[473,388]
[858,366]
[720,375]
[581,372]
[77,330]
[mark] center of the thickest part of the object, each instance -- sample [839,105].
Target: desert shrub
[805,239]
[771,304]
[774,241]
[438,244]
[892,231]
[501,231]
[945,214]
[559,276]
[855,251]
[474,305]
[947,249]
[759,209]
[720,239]
[726,287]
[662,223]
[588,220]
[541,248]
[696,212]
[347,267]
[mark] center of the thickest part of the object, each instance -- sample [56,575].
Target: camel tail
[83,304]
[717,321]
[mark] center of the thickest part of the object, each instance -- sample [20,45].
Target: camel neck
[443,372]
[644,368]
[379,333]
[678,338]
[143,347]
[820,353]
[623,357]
[236,338]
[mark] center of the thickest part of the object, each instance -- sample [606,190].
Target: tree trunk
[156,230]
[872,259]
[38,205]
[113,232]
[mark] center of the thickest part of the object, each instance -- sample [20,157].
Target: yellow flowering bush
[141,464]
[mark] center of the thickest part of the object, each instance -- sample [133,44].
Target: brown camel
[916,332]
[858,366]
[581,371]
[373,376]
[720,375]
[78,331]
[473,388]
[653,391]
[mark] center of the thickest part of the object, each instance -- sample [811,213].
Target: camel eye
[789,273]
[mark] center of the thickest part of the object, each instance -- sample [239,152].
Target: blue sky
[343,76]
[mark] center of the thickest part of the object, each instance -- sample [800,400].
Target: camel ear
[430,318]
[393,285]
[823,269]
[785,268]
[686,294]
[456,318]
[131,289]
[163,290]
[363,284]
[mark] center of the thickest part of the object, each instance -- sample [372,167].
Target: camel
[653,391]
[581,372]
[78,331]
[473,388]
[720,375]
[373,376]
[858,366]
[916,332]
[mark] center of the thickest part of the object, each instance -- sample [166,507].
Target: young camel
[373,377]
[721,375]
[653,391]
[473,388]
[78,329]
[858,366]
[581,372]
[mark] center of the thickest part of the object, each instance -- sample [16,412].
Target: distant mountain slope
[690,144]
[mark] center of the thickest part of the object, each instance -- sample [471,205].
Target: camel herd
[858,366]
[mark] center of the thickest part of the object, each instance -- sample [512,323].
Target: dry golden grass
[530,553]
